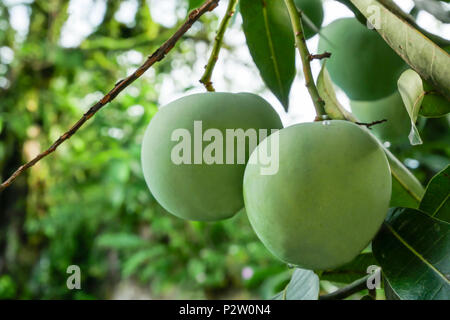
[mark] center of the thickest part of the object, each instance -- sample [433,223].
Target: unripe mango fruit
[434,105]
[314,11]
[201,192]
[362,64]
[328,199]
[392,109]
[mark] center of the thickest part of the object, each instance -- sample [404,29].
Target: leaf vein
[399,237]
[272,49]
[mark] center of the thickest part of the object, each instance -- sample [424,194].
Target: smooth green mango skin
[392,109]
[362,64]
[434,105]
[314,11]
[328,199]
[201,192]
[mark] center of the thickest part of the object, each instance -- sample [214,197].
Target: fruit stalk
[300,42]
[209,68]
[157,56]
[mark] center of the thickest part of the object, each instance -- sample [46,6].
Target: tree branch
[369,125]
[300,42]
[206,78]
[158,55]
[319,56]
[347,291]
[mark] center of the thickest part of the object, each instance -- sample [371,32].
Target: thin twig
[347,291]
[206,78]
[371,124]
[158,55]
[319,56]
[300,42]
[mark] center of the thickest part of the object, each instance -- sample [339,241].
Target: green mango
[314,11]
[201,192]
[392,109]
[434,105]
[362,64]
[328,199]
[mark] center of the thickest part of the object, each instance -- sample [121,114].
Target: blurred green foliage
[87,204]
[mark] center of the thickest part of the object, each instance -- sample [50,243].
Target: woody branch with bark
[157,56]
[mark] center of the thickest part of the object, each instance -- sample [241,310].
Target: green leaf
[279,296]
[435,202]
[271,41]
[413,250]
[312,16]
[304,285]
[326,91]
[422,54]
[388,291]
[401,197]
[351,271]
[407,191]
[193,4]
[411,89]
[274,284]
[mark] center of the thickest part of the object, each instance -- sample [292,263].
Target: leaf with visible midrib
[436,202]
[424,56]
[388,291]
[413,250]
[270,39]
